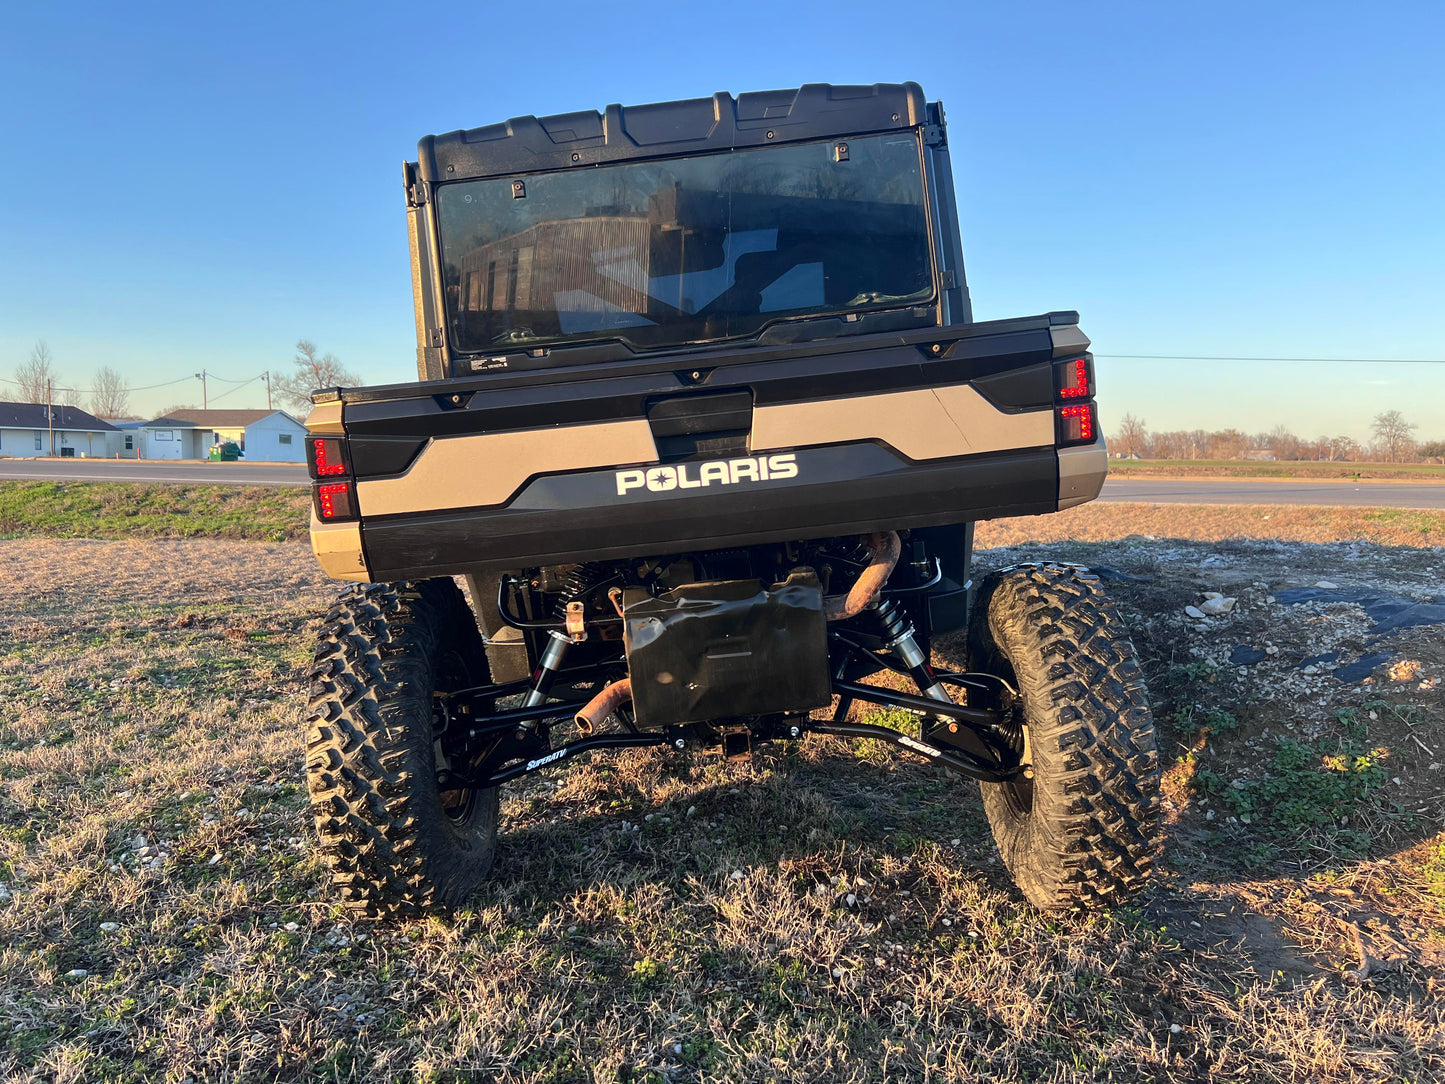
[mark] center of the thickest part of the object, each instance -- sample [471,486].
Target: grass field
[825,914]
[1251,468]
[132,510]
[124,510]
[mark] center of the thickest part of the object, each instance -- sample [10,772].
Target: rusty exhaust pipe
[884,548]
[603,704]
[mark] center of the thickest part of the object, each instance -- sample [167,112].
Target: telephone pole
[50,414]
[268,389]
[205,399]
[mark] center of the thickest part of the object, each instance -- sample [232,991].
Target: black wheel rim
[457,803]
[1019,791]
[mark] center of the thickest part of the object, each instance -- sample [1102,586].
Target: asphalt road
[1147,490]
[134,470]
[1272,491]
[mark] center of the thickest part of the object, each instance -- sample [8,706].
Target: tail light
[1077,424]
[335,501]
[326,456]
[330,466]
[1078,419]
[1073,379]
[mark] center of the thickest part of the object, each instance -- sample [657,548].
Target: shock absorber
[547,667]
[577,584]
[898,636]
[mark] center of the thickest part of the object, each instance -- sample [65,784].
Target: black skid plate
[726,649]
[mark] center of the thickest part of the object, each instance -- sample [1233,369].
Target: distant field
[136,510]
[1249,468]
[1105,522]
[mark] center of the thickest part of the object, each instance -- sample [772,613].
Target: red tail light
[326,456]
[1077,424]
[334,501]
[1072,379]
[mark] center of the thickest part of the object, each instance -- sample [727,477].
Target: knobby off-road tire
[394,843]
[1084,830]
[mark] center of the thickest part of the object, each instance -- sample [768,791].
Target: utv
[703,423]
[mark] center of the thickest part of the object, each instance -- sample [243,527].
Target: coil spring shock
[577,585]
[898,635]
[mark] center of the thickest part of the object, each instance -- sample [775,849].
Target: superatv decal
[723,472]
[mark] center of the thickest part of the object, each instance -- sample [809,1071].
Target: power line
[237,388]
[1209,357]
[167,384]
[243,380]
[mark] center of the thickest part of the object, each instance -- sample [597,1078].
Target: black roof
[32,416]
[695,125]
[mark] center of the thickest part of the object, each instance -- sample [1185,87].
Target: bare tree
[109,397]
[1346,449]
[34,374]
[1283,443]
[312,372]
[1229,444]
[1392,434]
[1131,436]
[1432,450]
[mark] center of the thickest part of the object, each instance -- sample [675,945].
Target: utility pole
[268,389]
[50,414]
[205,399]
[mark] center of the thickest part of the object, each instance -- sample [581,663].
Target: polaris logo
[723,472]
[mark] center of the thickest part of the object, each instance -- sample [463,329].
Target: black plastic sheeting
[1391,613]
[1361,668]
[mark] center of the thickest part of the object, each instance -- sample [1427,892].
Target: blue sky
[192,185]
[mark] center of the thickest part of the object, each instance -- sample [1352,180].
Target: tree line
[1392,441]
[38,380]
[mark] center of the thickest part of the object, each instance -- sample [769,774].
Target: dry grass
[1103,522]
[654,917]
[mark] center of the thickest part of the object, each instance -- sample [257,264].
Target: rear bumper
[837,490]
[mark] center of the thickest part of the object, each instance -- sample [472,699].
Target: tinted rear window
[686,250]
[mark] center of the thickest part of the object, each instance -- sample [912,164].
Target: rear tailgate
[734,447]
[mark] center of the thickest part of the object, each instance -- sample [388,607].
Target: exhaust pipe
[883,548]
[603,704]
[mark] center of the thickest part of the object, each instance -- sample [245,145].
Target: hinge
[933,135]
[415,189]
[436,336]
[948,280]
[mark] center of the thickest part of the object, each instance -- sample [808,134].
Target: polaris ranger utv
[703,423]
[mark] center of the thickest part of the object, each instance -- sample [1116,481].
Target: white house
[265,436]
[125,442]
[28,431]
[276,438]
